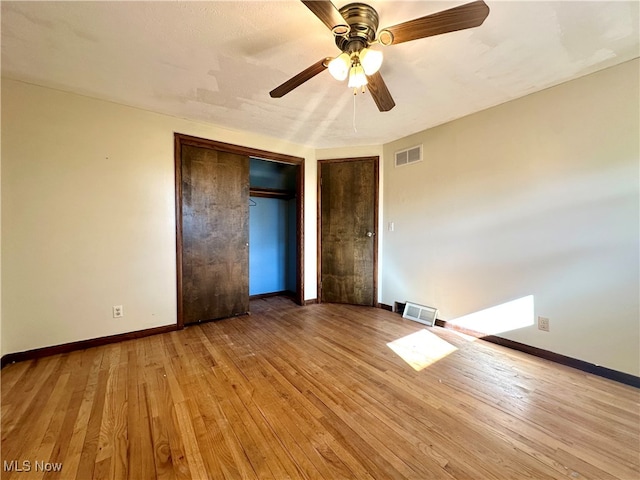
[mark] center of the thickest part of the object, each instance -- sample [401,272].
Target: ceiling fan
[355,27]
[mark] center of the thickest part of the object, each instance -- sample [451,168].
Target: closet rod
[271,193]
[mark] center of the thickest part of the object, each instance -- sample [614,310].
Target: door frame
[182,139]
[376,220]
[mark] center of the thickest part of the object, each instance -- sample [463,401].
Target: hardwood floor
[312,392]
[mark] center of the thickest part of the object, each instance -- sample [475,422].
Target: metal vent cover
[420,313]
[408,156]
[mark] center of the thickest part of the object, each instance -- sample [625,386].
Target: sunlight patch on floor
[501,318]
[421,349]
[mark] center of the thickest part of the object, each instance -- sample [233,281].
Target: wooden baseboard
[311,301]
[605,372]
[286,293]
[384,306]
[598,370]
[81,345]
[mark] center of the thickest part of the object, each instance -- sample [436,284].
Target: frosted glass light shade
[357,78]
[371,60]
[339,66]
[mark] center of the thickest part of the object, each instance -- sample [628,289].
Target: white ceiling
[217,61]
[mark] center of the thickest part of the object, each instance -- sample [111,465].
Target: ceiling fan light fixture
[371,60]
[339,67]
[357,77]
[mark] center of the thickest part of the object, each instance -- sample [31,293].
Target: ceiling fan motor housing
[363,20]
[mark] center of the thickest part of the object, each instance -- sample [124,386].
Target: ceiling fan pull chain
[354,111]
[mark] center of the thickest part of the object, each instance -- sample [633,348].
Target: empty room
[320,240]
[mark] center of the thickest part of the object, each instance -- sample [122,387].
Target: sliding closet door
[215,234]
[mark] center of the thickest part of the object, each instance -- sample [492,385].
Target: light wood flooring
[313,392]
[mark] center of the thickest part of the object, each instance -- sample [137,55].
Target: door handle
[370,234]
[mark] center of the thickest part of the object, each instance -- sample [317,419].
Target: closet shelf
[271,193]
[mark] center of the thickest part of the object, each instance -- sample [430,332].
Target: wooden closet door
[348,220]
[215,234]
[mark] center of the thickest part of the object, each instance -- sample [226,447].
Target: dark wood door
[215,234]
[348,222]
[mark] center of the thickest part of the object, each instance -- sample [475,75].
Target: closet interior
[272,228]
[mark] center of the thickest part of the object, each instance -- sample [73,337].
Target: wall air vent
[409,156]
[420,313]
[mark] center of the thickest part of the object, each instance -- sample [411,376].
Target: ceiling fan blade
[326,12]
[299,79]
[456,18]
[380,92]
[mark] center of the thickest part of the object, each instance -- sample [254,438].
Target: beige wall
[538,197]
[535,197]
[1,350]
[88,215]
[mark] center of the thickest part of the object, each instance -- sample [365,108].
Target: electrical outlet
[117,311]
[543,324]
